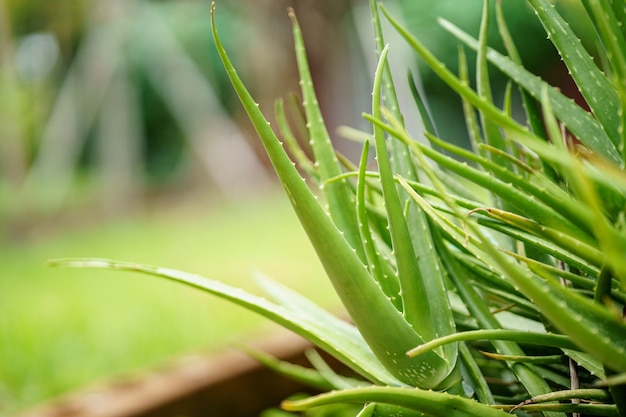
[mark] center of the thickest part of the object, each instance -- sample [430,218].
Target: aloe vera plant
[479,282]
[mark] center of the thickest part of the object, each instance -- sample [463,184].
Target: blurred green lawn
[61,329]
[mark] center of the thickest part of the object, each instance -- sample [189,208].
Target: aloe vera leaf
[422,108]
[532,382]
[585,127]
[338,195]
[387,333]
[542,339]
[537,360]
[399,152]
[454,82]
[608,18]
[432,403]
[562,240]
[335,336]
[471,120]
[307,376]
[388,283]
[545,246]
[599,93]
[552,300]
[594,329]
[579,409]
[474,376]
[409,275]
[491,131]
[611,241]
[387,84]
[425,303]
[460,201]
[541,188]
[545,270]
[329,374]
[290,140]
[530,105]
[299,118]
[619,9]
[295,302]
[430,300]
[524,202]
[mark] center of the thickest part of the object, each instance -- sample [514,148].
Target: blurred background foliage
[120,137]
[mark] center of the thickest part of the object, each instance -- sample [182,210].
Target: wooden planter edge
[229,383]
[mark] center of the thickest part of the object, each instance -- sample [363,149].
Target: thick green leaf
[599,93]
[335,336]
[507,191]
[487,320]
[339,195]
[423,307]
[432,403]
[534,184]
[387,333]
[380,270]
[584,126]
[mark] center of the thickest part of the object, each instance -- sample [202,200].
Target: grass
[61,329]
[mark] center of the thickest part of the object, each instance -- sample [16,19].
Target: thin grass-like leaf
[474,376]
[486,320]
[530,105]
[521,200]
[471,120]
[542,339]
[307,376]
[605,410]
[329,374]
[534,186]
[290,140]
[491,131]
[432,403]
